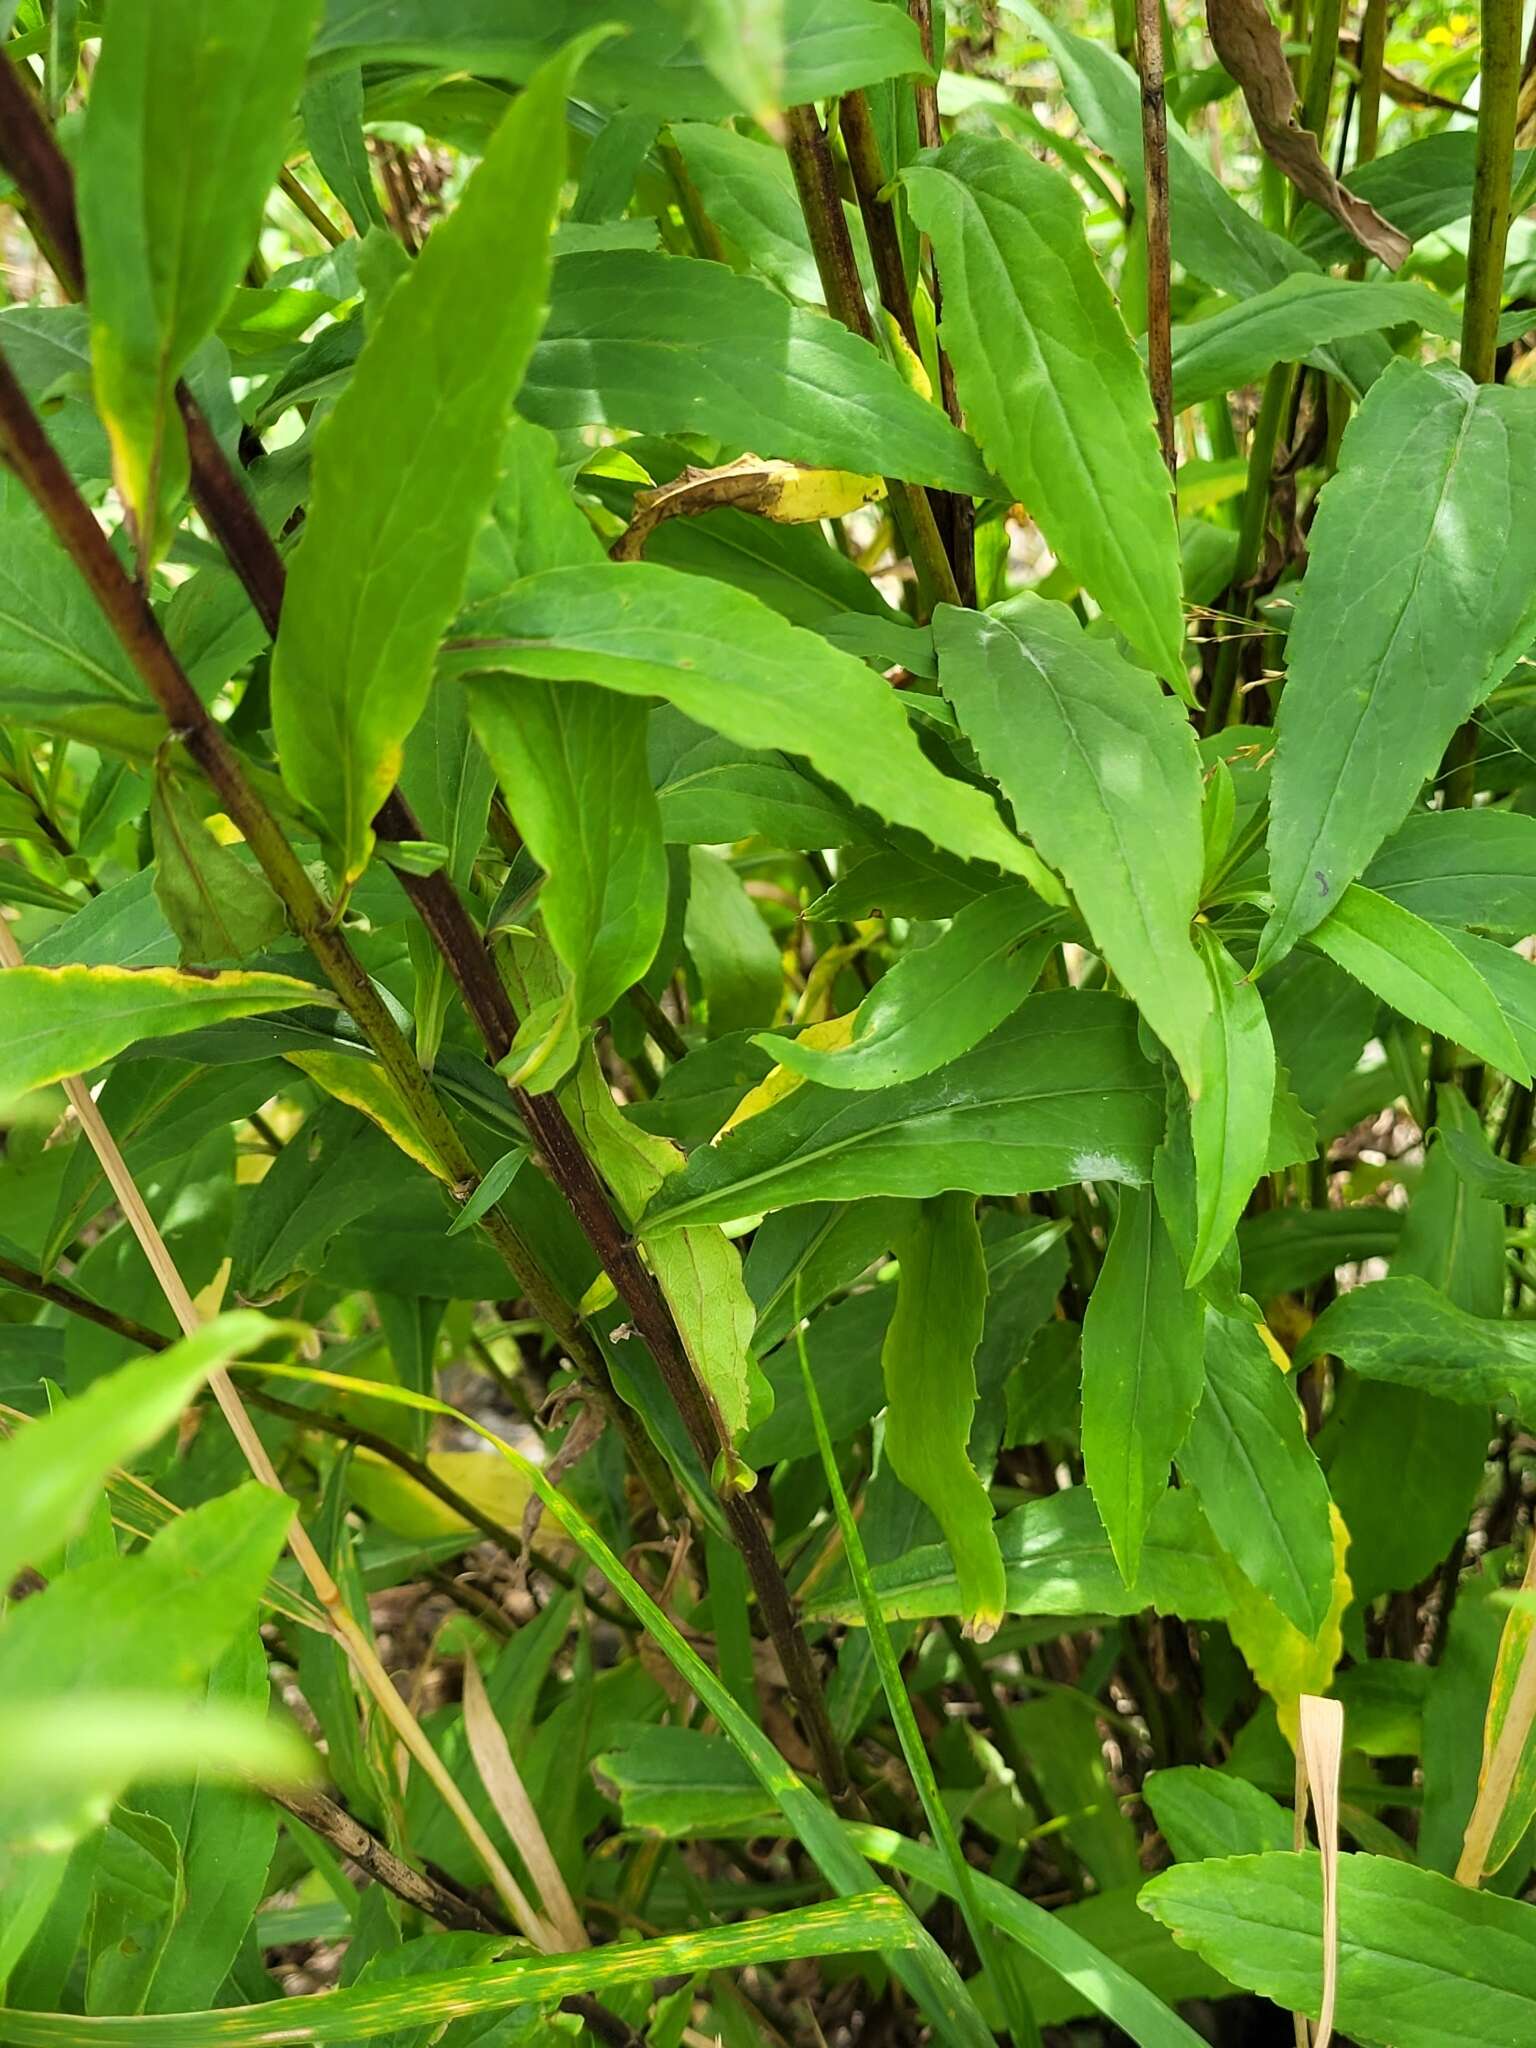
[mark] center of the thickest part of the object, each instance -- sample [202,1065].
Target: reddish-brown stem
[1154,151]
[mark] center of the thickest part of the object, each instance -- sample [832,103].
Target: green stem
[1373,58]
[1273,408]
[1498,102]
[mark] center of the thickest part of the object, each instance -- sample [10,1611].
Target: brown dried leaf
[1248,44]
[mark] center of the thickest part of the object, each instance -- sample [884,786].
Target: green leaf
[672,345]
[1406,1331]
[1420,592]
[1495,1179]
[375,582]
[675,1782]
[1423,1962]
[1103,775]
[56,1021]
[930,1390]
[332,110]
[225,1834]
[1059,1093]
[184,134]
[748,191]
[1058,1560]
[1229,1123]
[572,766]
[219,906]
[1462,867]
[1143,1373]
[1258,1479]
[52,1471]
[732,950]
[61,667]
[1202,1812]
[139,1892]
[339,1167]
[1289,324]
[831,46]
[1050,379]
[1417,969]
[939,1000]
[1285,1250]
[731,664]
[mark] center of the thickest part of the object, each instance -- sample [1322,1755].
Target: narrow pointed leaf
[729,662]
[1229,1123]
[183,138]
[1418,970]
[1259,1482]
[670,345]
[1143,1374]
[1059,1093]
[1051,381]
[56,1021]
[1102,773]
[938,1002]
[572,765]
[930,1390]
[1420,592]
[416,432]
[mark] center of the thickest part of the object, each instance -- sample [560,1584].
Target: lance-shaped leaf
[930,1390]
[1143,1374]
[1290,323]
[661,63]
[748,190]
[730,663]
[1050,379]
[1417,968]
[184,134]
[1463,867]
[1406,1331]
[1059,1093]
[56,1021]
[670,345]
[1229,1123]
[405,469]
[939,1001]
[62,669]
[1058,1560]
[572,764]
[1262,1489]
[1102,772]
[219,906]
[1423,1962]
[1419,594]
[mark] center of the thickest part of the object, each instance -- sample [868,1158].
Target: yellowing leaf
[368,1089]
[399,1502]
[1284,1661]
[831,1036]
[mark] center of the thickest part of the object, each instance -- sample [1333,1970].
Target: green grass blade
[925,1971]
[996,1960]
[874,1920]
[1120,1997]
